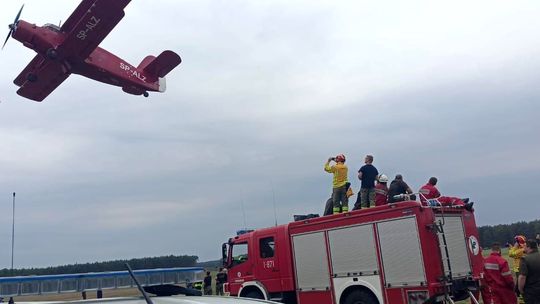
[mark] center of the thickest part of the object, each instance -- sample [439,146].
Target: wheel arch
[253,286]
[347,291]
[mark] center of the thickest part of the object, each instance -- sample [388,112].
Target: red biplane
[73,48]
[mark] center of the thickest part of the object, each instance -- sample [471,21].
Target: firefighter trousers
[340,201]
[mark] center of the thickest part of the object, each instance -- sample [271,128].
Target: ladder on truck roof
[78,282]
[446,258]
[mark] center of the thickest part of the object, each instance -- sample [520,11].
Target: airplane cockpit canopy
[52,27]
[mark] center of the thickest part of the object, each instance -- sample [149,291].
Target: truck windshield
[239,253]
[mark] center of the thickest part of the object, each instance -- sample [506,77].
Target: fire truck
[402,253]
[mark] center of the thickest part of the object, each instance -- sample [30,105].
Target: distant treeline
[211,264]
[140,263]
[506,233]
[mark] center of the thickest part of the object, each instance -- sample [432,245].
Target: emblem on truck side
[473,245]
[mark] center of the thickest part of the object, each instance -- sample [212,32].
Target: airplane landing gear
[145,94]
[52,54]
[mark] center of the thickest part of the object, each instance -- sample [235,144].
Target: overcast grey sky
[266,92]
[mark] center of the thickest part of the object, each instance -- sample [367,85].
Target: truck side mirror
[224,254]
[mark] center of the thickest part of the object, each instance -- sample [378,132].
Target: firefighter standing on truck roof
[517,252]
[498,277]
[340,201]
[381,190]
[329,203]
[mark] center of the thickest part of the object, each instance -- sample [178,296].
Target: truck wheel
[360,297]
[254,295]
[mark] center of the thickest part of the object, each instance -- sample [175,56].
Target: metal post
[13,234]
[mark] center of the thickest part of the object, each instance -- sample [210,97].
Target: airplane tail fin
[158,67]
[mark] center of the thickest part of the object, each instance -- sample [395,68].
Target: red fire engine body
[399,253]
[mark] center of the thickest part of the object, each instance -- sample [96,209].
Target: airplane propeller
[13,26]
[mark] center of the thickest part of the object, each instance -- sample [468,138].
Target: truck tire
[254,295]
[360,297]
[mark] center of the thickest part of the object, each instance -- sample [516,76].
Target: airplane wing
[32,67]
[89,24]
[47,75]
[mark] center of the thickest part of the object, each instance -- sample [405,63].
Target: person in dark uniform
[207,284]
[397,187]
[221,278]
[529,274]
[367,174]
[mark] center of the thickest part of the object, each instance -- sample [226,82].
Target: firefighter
[340,202]
[329,203]
[517,252]
[381,190]
[429,191]
[208,284]
[498,278]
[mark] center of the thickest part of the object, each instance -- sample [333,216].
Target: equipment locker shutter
[311,262]
[457,246]
[400,252]
[353,250]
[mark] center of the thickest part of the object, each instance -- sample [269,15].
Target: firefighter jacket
[499,279]
[428,191]
[340,172]
[516,252]
[381,194]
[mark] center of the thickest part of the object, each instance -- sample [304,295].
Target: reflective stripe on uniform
[508,273]
[491,266]
[381,191]
[345,208]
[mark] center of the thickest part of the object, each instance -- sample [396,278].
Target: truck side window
[239,253]
[266,246]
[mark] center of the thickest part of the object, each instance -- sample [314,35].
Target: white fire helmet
[383,178]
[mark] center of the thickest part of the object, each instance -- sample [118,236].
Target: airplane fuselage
[100,65]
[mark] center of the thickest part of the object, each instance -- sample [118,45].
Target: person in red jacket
[429,191]
[381,190]
[498,277]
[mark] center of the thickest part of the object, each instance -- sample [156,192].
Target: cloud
[265,93]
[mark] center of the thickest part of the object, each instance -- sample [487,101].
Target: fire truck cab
[399,253]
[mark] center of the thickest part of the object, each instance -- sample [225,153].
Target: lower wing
[40,78]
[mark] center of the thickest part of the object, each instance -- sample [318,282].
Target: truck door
[241,267]
[268,263]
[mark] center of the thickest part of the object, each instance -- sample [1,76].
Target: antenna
[244,214]
[13,234]
[274,202]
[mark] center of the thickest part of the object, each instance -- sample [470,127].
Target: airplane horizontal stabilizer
[162,64]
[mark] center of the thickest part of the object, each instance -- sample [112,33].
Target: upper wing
[89,24]
[45,77]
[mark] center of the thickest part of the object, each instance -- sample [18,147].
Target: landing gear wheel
[31,77]
[52,54]
[145,94]
[360,297]
[254,295]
